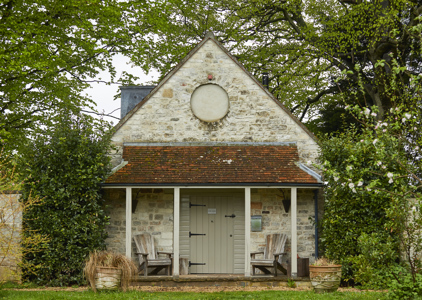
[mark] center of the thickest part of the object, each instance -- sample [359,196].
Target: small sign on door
[212,211]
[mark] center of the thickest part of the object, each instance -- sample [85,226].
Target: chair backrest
[275,244]
[145,244]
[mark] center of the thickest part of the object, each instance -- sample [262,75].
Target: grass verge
[132,295]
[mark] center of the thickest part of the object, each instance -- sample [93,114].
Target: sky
[103,94]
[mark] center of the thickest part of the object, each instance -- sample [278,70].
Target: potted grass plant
[109,270]
[325,275]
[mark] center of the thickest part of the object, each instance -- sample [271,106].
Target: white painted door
[213,234]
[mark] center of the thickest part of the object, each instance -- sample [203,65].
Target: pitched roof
[211,165]
[209,36]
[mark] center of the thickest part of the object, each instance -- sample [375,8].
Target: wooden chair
[273,252]
[149,257]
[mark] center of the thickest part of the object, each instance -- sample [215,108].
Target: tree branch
[309,101]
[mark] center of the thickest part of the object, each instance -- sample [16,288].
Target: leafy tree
[333,118]
[66,167]
[304,45]
[50,50]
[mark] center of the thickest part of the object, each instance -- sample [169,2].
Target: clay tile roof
[205,164]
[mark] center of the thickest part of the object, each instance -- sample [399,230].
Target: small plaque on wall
[256,223]
[212,211]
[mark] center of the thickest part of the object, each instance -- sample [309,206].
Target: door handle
[230,216]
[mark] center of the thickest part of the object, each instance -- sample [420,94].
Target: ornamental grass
[111,260]
[323,262]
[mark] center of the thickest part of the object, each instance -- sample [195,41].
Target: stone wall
[253,115]
[10,227]
[268,204]
[153,214]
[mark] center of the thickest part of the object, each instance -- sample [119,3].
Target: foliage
[373,263]
[113,260]
[11,230]
[304,45]
[332,118]
[407,287]
[51,50]
[374,189]
[347,214]
[291,283]
[66,167]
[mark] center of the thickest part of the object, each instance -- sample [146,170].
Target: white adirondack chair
[274,250]
[149,257]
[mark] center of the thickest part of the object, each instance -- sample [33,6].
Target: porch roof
[211,165]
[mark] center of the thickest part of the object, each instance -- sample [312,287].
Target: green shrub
[377,256]
[65,167]
[404,285]
[351,210]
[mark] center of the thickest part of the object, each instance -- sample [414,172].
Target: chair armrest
[170,254]
[255,253]
[279,254]
[140,253]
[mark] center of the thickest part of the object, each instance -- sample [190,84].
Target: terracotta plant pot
[108,278]
[325,279]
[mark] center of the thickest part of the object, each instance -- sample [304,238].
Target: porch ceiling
[206,164]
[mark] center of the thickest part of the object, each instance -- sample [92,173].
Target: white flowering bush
[353,205]
[373,181]
[372,221]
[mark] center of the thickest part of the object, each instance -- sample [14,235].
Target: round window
[209,103]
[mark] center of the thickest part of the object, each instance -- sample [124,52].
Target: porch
[153,212]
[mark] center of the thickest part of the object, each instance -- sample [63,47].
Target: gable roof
[223,165]
[210,37]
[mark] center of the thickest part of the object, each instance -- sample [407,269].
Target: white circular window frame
[209,103]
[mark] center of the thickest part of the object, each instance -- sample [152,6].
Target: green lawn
[57,295]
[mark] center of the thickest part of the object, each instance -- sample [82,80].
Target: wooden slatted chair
[149,257]
[274,250]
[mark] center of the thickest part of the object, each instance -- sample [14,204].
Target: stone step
[212,280]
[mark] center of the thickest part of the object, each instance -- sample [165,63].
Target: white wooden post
[247,231]
[129,222]
[293,211]
[176,224]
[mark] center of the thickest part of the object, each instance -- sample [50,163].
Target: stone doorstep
[218,280]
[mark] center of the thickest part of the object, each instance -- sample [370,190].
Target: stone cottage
[204,154]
